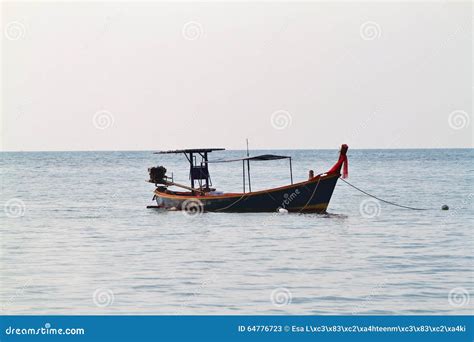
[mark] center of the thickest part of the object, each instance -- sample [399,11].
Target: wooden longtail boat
[310,196]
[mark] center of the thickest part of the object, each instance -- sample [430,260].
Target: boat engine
[158,175]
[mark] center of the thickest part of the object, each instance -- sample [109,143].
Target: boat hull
[310,196]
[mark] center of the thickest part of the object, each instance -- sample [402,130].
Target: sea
[76,237]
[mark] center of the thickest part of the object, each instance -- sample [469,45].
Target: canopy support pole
[243,174]
[191,163]
[205,164]
[248,171]
[291,172]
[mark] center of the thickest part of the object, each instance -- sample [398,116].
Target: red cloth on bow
[343,163]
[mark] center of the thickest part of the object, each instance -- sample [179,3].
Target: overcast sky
[128,76]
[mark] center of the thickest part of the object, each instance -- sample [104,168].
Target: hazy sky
[156,75]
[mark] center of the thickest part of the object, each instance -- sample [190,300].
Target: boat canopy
[192,150]
[260,157]
[198,169]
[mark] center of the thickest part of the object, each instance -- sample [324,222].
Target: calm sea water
[76,238]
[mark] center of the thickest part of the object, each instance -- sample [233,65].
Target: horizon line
[256,149]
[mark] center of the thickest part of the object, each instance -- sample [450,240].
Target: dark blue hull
[310,196]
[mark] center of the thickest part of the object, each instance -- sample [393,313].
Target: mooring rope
[380,199]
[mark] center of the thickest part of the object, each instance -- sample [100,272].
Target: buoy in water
[445,207]
[282,211]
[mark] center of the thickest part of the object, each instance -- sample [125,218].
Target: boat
[309,196]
